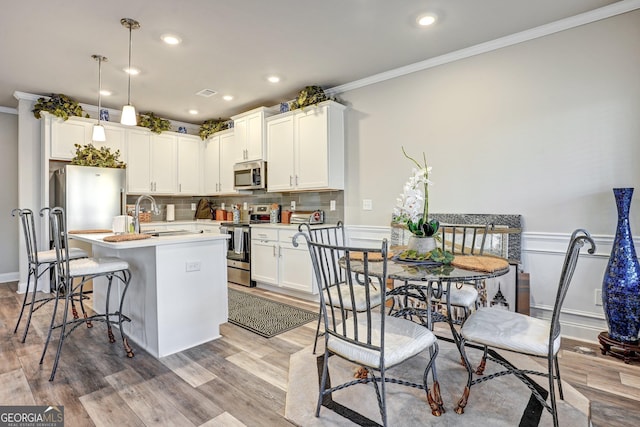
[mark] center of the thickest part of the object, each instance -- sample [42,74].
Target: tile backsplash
[304,201]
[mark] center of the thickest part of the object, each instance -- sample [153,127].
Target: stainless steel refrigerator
[90,196]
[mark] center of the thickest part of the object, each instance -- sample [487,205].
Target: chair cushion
[504,329]
[92,266]
[358,296]
[403,339]
[466,296]
[50,255]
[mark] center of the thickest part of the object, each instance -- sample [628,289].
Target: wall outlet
[598,297]
[293,205]
[367,205]
[192,265]
[332,205]
[193,206]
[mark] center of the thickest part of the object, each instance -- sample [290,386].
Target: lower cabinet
[275,261]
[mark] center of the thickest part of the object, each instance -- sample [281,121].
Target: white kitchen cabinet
[116,138]
[305,149]
[250,135]
[189,164]
[152,166]
[219,158]
[65,134]
[275,261]
[79,130]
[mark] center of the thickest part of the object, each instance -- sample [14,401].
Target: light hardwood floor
[238,380]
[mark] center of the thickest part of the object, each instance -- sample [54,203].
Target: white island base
[177,297]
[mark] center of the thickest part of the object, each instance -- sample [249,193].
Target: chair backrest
[364,270]
[465,239]
[58,224]
[578,238]
[29,230]
[327,235]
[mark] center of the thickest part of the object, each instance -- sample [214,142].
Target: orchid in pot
[412,209]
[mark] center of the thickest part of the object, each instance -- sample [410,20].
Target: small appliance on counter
[307,217]
[262,213]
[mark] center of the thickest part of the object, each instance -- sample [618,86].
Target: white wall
[9,194]
[544,128]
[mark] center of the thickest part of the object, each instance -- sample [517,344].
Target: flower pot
[421,245]
[621,283]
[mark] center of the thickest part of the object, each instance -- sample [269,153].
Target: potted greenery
[310,95]
[58,105]
[88,155]
[153,123]
[209,127]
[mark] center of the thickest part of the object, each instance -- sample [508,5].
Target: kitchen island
[177,297]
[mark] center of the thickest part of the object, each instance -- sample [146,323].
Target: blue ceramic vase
[621,283]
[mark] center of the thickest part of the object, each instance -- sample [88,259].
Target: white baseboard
[9,277]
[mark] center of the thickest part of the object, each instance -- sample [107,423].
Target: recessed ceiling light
[273,79]
[227,98]
[426,20]
[105,92]
[132,71]
[171,39]
[194,112]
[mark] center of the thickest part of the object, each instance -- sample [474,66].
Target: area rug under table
[263,316]
[496,403]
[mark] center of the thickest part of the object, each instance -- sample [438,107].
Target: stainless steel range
[239,245]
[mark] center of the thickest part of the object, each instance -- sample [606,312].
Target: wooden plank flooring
[238,380]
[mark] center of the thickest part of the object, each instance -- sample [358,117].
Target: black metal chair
[38,263]
[464,239]
[85,269]
[335,235]
[494,328]
[369,338]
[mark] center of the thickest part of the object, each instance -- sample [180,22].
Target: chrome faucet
[136,217]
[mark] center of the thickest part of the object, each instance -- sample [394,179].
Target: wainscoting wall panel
[542,257]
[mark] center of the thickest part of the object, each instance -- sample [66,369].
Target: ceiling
[232,46]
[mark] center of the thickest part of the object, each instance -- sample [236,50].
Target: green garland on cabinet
[209,127]
[58,105]
[153,123]
[88,155]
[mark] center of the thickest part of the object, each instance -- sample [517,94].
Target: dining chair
[369,338]
[494,328]
[464,239]
[335,235]
[67,270]
[38,263]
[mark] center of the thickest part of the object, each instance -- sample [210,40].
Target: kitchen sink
[158,233]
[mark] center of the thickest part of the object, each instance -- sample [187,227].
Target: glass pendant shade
[98,134]
[128,116]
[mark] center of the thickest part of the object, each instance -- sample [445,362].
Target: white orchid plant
[412,206]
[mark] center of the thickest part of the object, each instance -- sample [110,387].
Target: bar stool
[36,260]
[67,270]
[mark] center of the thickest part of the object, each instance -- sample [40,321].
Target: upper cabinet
[152,166]
[305,149]
[64,134]
[250,137]
[219,155]
[189,165]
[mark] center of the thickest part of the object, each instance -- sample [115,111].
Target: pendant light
[98,134]
[128,116]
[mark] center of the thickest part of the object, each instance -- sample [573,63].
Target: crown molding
[27,96]
[605,12]
[8,110]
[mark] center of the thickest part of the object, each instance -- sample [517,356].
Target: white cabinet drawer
[264,234]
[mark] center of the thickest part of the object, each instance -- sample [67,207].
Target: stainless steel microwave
[250,175]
